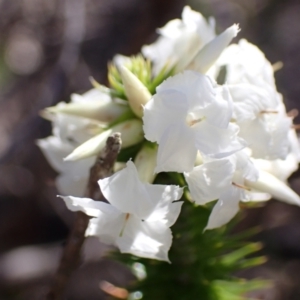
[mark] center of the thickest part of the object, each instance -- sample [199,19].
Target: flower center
[191,119]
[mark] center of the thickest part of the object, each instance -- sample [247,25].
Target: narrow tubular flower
[139,215]
[93,104]
[208,55]
[131,131]
[190,113]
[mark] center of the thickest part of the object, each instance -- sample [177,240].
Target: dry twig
[71,255]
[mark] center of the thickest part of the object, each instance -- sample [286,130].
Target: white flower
[267,135]
[93,104]
[283,168]
[139,215]
[189,113]
[258,107]
[274,173]
[180,40]
[245,63]
[68,133]
[222,179]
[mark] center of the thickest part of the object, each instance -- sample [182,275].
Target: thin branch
[71,255]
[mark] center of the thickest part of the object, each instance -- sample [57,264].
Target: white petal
[165,211]
[86,205]
[249,101]
[145,239]
[206,182]
[211,51]
[162,111]
[126,192]
[267,136]
[196,89]
[225,209]
[256,197]
[176,151]
[68,185]
[217,142]
[272,185]
[55,150]
[246,166]
[222,103]
[108,226]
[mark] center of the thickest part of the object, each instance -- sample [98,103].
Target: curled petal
[177,151]
[217,142]
[88,206]
[207,182]
[225,209]
[165,211]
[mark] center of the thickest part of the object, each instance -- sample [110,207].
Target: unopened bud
[131,134]
[207,56]
[92,105]
[145,163]
[136,92]
[268,183]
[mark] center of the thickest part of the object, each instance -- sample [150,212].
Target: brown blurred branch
[71,255]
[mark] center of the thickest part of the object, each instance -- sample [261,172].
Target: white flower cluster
[233,142]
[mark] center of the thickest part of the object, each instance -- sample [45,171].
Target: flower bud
[131,134]
[92,105]
[278,189]
[136,92]
[145,162]
[207,56]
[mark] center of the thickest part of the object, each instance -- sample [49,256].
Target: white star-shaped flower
[222,179]
[139,215]
[190,113]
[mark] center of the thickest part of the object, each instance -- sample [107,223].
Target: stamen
[126,219]
[191,123]
[241,186]
[269,112]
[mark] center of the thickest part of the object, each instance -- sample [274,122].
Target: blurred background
[48,49]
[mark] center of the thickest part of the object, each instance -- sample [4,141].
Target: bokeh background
[48,50]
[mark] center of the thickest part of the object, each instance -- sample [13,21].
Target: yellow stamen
[269,112]
[241,186]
